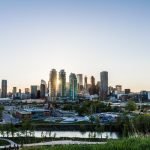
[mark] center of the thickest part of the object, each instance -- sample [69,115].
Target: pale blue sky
[80,36]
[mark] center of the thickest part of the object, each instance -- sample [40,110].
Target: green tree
[68,107]
[2,130]
[131,106]
[99,128]
[12,129]
[7,128]
[26,126]
[92,119]
[1,111]
[142,123]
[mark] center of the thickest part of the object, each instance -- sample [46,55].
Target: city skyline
[80,36]
[54,78]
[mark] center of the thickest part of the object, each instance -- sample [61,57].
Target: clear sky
[80,36]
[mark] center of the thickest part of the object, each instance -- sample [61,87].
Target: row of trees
[125,124]
[1,111]
[88,107]
[9,129]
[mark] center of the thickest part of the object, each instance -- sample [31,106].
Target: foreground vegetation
[3,143]
[122,144]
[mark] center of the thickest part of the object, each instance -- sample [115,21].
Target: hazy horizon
[80,36]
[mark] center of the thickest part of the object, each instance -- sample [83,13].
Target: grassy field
[140,143]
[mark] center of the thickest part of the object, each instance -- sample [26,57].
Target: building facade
[62,83]
[34,91]
[118,88]
[92,81]
[92,89]
[14,91]
[85,83]
[4,89]
[42,89]
[27,90]
[53,84]
[104,84]
[80,82]
[73,86]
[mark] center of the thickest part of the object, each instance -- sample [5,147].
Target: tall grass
[132,143]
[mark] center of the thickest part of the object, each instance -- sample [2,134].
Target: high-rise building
[62,83]
[73,86]
[85,83]
[92,81]
[34,91]
[80,82]
[27,93]
[111,90]
[27,90]
[98,87]
[20,91]
[4,89]
[127,91]
[67,89]
[53,84]
[118,88]
[42,89]
[38,93]
[14,91]
[104,84]
[92,89]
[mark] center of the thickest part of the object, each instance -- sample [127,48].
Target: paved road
[61,143]
[48,143]
[11,143]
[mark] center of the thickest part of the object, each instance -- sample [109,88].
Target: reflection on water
[71,134]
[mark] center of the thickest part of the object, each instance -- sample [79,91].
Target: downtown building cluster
[76,87]
[58,88]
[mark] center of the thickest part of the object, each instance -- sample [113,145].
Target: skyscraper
[14,91]
[27,91]
[92,89]
[67,89]
[53,84]
[62,83]
[73,86]
[80,82]
[85,82]
[4,89]
[92,81]
[20,91]
[34,91]
[104,84]
[118,88]
[42,89]
[127,91]
[98,87]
